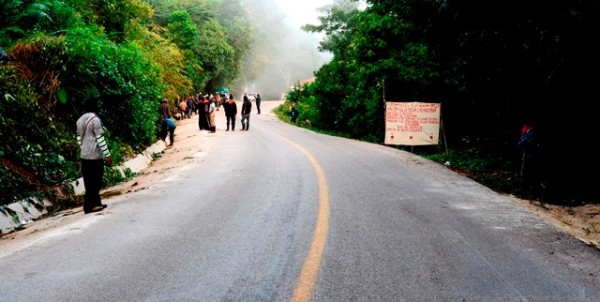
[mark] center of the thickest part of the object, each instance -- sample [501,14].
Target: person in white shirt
[94,154]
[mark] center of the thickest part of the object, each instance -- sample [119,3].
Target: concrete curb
[31,209]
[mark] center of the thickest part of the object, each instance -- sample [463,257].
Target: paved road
[279,213]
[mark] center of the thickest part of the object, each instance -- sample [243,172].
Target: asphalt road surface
[279,213]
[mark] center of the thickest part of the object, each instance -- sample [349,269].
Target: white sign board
[412,123]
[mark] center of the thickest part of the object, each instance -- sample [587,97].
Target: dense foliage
[493,67]
[122,55]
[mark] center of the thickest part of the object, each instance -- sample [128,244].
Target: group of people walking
[187,106]
[230,108]
[231,111]
[205,105]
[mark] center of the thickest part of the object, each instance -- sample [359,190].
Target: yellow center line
[308,275]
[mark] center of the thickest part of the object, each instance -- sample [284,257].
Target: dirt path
[582,222]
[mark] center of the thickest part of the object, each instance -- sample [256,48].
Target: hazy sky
[302,12]
[292,53]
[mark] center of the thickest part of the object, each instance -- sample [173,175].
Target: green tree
[114,16]
[21,18]
[240,35]
[167,57]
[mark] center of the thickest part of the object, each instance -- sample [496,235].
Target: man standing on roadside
[94,154]
[258,103]
[202,113]
[163,110]
[530,165]
[294,113]
[246,109]
[230,112]
[211,115]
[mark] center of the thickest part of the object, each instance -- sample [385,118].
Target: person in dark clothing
[197,100]
[258,103]
[294,114]
[530,167]
[246,109]
[230,108]
[190,106]
[94,154]
[163,110]
[202,115]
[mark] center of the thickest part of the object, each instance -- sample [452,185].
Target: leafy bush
[122,82]
[34,148]
[119,78]
[113,176]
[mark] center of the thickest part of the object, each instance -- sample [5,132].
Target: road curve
[242,220]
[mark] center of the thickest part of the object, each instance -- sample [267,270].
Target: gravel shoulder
[582,222]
